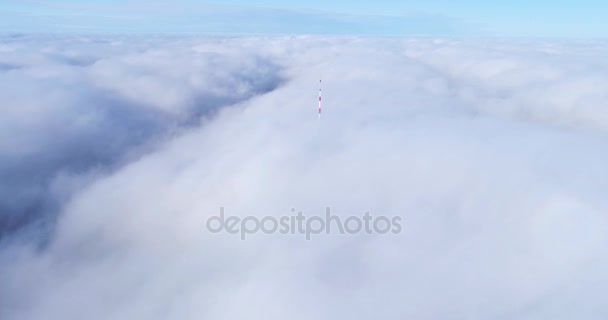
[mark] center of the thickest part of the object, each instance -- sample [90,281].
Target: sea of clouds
[115,150]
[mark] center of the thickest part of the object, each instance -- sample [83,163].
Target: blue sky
[515,18]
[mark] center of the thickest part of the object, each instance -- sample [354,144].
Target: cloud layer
[492,152]
[76,107]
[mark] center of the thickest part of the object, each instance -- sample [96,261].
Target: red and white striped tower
[319,99]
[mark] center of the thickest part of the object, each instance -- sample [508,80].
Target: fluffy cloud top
[76,107]
[492,152]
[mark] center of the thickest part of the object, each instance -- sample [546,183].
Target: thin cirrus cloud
[192,17]
[492,152]
[542,18]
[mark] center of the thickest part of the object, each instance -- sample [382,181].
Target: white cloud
[73,105]
[492,152]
